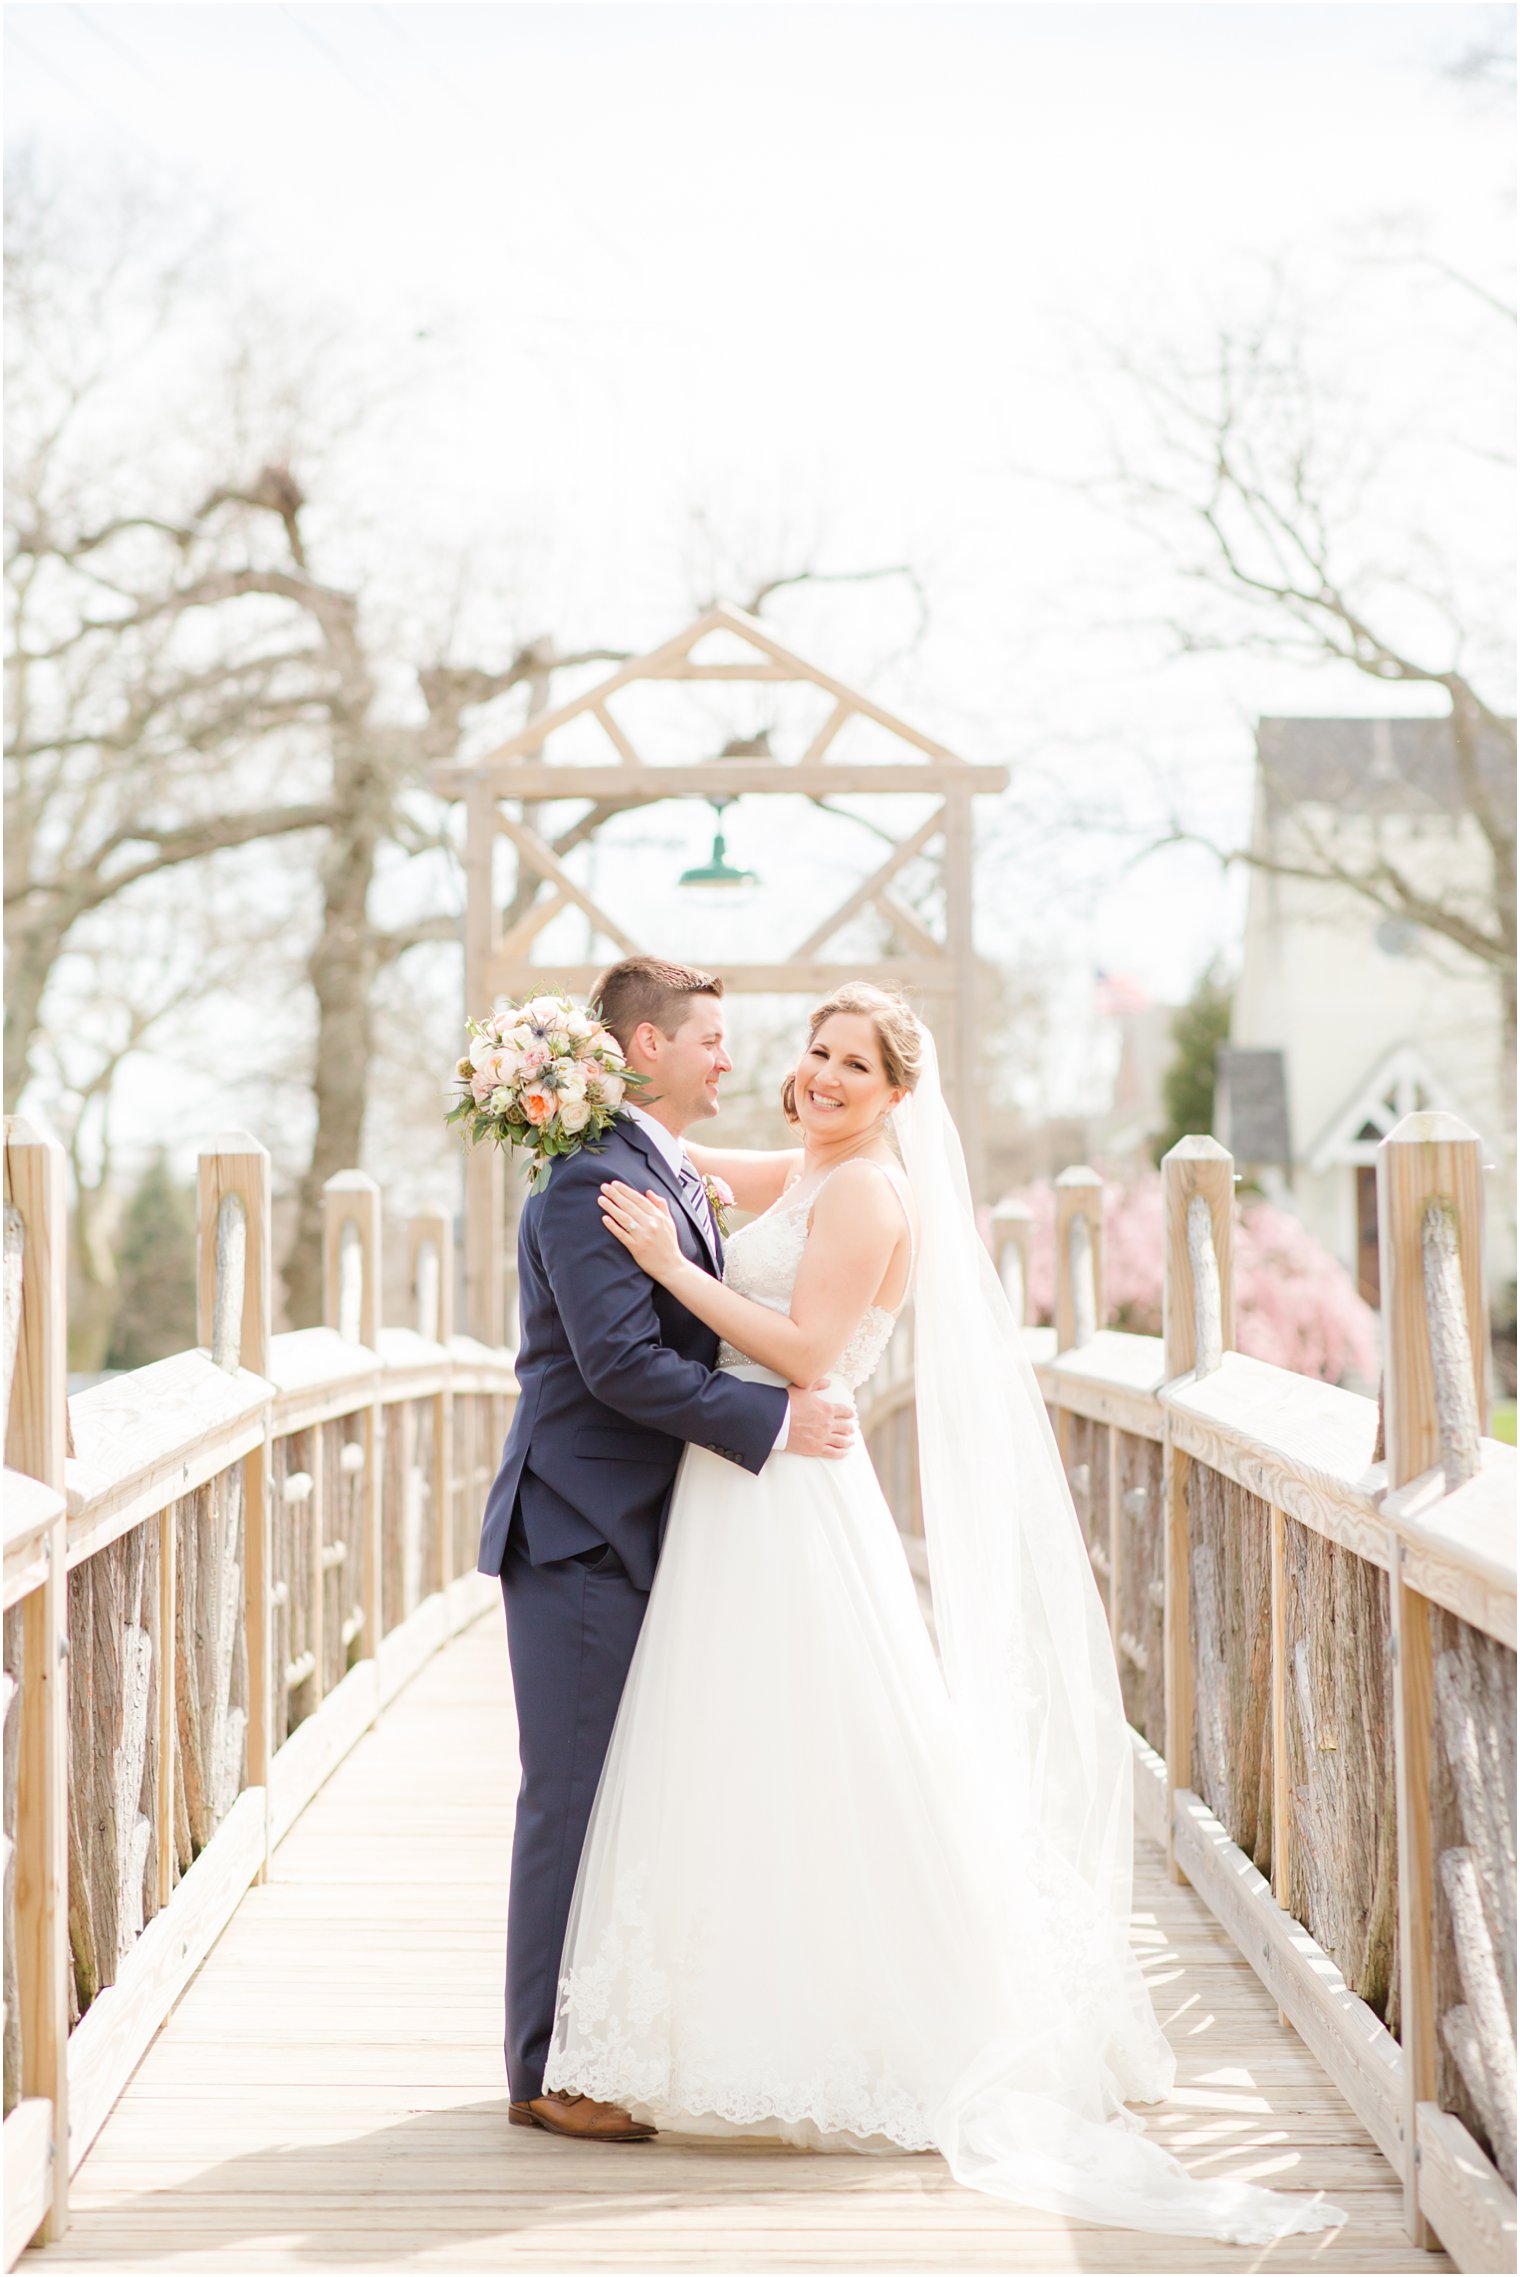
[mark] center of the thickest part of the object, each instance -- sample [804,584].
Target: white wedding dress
[796,1915]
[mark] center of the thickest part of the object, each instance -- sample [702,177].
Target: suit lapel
[672,1184]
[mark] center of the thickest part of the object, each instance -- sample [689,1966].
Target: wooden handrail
[371,1441]
[1437,1520]
[35,1440]
[179,1468]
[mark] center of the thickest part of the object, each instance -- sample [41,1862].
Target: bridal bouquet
[543,1075]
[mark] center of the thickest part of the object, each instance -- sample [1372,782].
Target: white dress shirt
[673,1152]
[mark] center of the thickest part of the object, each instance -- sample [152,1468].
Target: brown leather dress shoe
[580,2117]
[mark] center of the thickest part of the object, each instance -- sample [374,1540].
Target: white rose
[544,1009]
[574,1114]
[482,1047]
[611,1088]
[580,1026]
[571,1083]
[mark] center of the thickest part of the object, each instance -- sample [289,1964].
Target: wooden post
[485,1261]
[1278,1729]
[353,1200]
[1177,1643]
[1115,1534]
[232,1177]
[1196,1169]
[316,1547]
[35,1441]
[1430,1177]
[1079,1278]
[1413,1708]
[168,1583]
[1430,1202]
[1079,1257]
[236,1164]
[960,947]
[431,1243]
[1012,1234]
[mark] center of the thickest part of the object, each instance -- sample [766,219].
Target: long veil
[1030,1670]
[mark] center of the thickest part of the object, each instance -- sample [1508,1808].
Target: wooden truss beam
[916,934]
[532,923]
[871,890]
[519,976]
[752,630]
[547,864]
[616,737]
[530,736]
[712,778]
[673,661]
[825,735]
[685,670]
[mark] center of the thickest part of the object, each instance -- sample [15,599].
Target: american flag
[1115,993]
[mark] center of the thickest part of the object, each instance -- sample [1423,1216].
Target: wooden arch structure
[938,971]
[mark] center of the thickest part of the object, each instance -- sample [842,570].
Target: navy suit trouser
[571,1629]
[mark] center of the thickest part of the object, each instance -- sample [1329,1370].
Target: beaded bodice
[761,1262]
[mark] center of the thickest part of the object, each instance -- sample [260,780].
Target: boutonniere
[720,1200]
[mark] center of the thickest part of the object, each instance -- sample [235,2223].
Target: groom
[614,1378]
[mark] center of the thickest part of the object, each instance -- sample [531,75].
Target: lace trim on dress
[633,2045]
[761,1262]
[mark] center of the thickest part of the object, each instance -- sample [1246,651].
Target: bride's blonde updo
[897,1032]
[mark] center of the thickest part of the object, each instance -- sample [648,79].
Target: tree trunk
[344,961]
[31,952]
[94,1284]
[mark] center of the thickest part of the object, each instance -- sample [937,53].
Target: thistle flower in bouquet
[544,1075]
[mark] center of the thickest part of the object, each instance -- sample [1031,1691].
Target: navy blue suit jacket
[614,1375]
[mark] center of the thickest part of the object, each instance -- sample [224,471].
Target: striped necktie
[696,1195]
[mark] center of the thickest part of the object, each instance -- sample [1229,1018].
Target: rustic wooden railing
[1316,1643]
[218,1571]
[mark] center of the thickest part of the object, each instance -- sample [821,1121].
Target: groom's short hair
[647,988]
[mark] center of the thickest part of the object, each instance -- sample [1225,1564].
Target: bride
[833,1891]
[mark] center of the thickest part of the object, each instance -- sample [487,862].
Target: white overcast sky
[822,273]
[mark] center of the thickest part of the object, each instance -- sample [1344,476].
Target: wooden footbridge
[260,1765]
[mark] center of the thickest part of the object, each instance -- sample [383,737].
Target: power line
[117,47]
[23,47]
[465,101]
[324,47]
[71,86]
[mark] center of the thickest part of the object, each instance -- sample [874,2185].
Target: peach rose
[537,1105]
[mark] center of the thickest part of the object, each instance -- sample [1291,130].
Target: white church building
[1345,1019]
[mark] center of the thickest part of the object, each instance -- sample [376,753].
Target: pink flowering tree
[1295,1305]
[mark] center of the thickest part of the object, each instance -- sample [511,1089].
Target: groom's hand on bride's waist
[819,1424]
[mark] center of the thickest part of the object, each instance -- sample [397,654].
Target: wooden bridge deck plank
[329,2090]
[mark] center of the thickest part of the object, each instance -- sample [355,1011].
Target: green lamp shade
[718,870]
